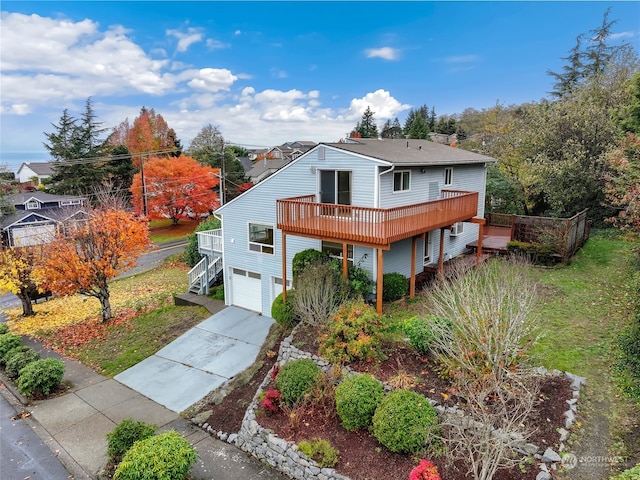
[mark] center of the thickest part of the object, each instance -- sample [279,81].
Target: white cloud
[462,59]
[185,39]
[44,60]
[618,36]
[386,53]
[277,73]
[382,104]
[215,44]
[212,79]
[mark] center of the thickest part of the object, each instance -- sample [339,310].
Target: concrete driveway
[201,360]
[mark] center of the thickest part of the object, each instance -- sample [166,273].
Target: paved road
[22,453]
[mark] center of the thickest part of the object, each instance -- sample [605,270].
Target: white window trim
[33,204]
[261,246]
[339,257]
[401,172]
[67,203]
[448,172]
[457,229]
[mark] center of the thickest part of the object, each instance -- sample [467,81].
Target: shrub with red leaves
[425,471]
[271,402]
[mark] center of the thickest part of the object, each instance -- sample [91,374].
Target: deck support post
[345,261]
[481,222]
[441,255]
[379,282]
[412,279]
[284,267]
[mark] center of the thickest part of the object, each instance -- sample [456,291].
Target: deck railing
[377,226]
[210,240]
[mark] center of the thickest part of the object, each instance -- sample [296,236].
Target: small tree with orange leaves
[175,188]
[16,269]
[85,257]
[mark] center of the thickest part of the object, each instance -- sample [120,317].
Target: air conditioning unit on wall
[457,229]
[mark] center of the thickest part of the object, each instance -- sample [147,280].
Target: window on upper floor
[448,176]
[33,204]
[402,181]
[261,238]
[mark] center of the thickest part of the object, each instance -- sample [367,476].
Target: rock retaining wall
[285,456]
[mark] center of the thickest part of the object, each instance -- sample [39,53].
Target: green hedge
[394,286]
[41,377]
[126,433]
[167,456]
[282,312]
[296,379]
[536,253]
[357,398]
[404,422]
[17,358]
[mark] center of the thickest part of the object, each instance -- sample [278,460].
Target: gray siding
[301,177]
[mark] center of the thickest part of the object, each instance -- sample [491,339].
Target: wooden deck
[494,240]
[377,227]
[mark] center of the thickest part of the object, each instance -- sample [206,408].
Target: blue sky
[270,72]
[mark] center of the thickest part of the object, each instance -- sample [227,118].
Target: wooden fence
[565,235]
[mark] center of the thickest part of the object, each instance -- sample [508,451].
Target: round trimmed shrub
[394,286]
[4,328]
[41,377]
[167,456]
[282,312]
[296,378]
[422,332]
[17,358]
[126,433]
[357,398]
[8,341]
[306,257]
[403,421]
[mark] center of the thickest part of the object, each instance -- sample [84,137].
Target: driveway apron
[201,360]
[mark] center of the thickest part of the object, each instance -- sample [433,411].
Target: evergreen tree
[74,145]
[391,130]
[367,127]
[120,170]
[417,123]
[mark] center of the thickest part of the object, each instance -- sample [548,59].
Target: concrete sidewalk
[74,425]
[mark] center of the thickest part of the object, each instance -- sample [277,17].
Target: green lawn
[161,231]
[128,345]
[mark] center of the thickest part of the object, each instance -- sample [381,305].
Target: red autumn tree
[148,133]
[175,188]
[85,257]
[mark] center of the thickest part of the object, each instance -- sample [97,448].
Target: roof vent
[407,143]
[419,147]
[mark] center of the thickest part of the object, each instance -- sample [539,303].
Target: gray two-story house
[387,205]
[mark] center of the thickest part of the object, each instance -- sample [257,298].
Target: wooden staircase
[207,272]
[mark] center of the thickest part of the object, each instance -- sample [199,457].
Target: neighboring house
[264,168]
[386,205]
[34,172]
[38,217]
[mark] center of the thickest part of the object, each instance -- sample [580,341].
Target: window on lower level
[261,238]
[334,250]
[448,176]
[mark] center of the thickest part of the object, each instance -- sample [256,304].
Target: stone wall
[285,456]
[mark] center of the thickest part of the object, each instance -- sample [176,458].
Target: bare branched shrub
[320,290]
[490,310]
[494,426]
[492,326]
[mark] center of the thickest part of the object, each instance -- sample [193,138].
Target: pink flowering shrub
[425,471]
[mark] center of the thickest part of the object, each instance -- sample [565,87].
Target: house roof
[43,197]
[39,168]
[53,214]
[410,152]
[267,165]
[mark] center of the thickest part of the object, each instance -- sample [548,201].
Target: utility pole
[144,187]
[222,176]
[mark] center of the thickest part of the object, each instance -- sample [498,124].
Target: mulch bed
[362,457]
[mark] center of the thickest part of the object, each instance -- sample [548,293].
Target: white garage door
[33,235]
[247,289]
